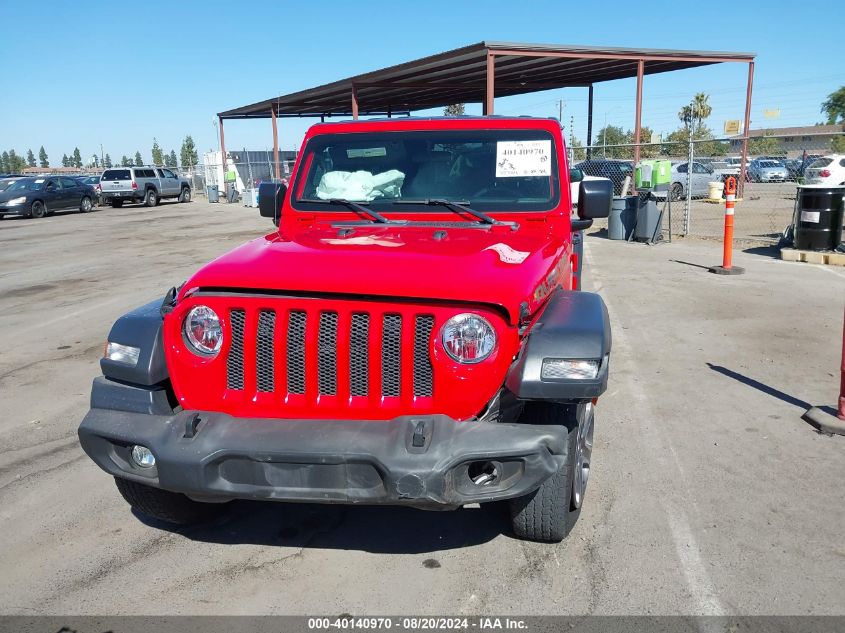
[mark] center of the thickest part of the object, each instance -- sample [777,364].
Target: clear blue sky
[120,73]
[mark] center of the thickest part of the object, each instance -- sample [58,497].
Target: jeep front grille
[325,346]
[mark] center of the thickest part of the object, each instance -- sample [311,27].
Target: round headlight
[203,331]
[468,338]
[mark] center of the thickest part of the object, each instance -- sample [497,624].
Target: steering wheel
[497,190]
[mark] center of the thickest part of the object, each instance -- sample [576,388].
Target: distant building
[794,141]
[36,171]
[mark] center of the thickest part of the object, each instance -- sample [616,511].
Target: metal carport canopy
[481,72]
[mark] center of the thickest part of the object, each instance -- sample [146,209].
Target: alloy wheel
[583,452]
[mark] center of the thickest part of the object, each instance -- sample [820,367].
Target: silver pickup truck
[145,184]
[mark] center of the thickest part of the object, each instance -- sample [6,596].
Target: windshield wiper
[454,206]
[375,217]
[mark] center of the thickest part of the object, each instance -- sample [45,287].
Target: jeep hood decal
[495,267]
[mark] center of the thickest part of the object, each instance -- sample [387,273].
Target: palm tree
[694,114]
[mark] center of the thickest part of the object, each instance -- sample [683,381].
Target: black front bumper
[325,461]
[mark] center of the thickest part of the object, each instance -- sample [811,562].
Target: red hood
[493,266]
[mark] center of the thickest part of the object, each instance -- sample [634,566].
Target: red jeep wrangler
[412,333]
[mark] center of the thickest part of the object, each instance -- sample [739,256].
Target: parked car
[698,179]
[615,170]
[827,170]
[6,181]
[576,176]
[94,181]
[797,166]
[767,170]
[39,196]
[147,184]
[317,364]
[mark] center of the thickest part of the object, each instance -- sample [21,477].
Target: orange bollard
[727,267]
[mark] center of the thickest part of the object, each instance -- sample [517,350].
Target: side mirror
[594,199]
[576,175]
[270,198]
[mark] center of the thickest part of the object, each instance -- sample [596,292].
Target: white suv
[827,171]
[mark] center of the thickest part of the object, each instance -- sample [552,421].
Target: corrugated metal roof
[459,76]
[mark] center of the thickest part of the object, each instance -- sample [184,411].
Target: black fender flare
[573,325]
[141,328]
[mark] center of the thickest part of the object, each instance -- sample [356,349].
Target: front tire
[151,198]
[185,196]
[86,205]
[38,209]
[170,507]
[549,513]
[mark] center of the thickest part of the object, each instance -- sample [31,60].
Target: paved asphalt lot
[708,495]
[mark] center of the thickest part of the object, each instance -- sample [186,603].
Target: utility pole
[102,156]
[560,111]
[572,138]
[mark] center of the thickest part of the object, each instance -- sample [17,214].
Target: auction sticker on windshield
[523,158]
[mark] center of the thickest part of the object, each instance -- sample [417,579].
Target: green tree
[608,137]
[156,153]
[77,158]
[95,161]
[188,153]
[30,158]
[107,162]
[834,107]
[456,109]
[837,145]
[171,160]
[579,153]
[646,151]
[694,115]
[4,162]
[14,162]
[42,158]
[765,146]
[138,160]
[65,161]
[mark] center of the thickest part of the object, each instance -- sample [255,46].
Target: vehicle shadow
[373,529]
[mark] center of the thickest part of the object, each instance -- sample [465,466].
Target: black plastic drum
[818,218]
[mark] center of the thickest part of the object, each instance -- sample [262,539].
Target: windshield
[769,163]
[822,162]
[26,185]
[513,170]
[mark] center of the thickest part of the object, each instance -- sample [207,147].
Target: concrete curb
[824,421]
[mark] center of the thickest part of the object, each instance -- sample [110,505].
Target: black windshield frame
[446,140]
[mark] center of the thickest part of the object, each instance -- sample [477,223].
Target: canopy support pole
[639,111]
[277,167]
[590,122]
[745,123]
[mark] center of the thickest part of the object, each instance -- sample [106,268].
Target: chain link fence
[775,167]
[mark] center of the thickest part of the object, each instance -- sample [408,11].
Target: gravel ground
[709,495]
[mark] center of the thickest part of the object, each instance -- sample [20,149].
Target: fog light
[567,369]
[143,457]
[123,353]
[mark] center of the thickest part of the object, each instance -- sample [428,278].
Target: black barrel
[818,218]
